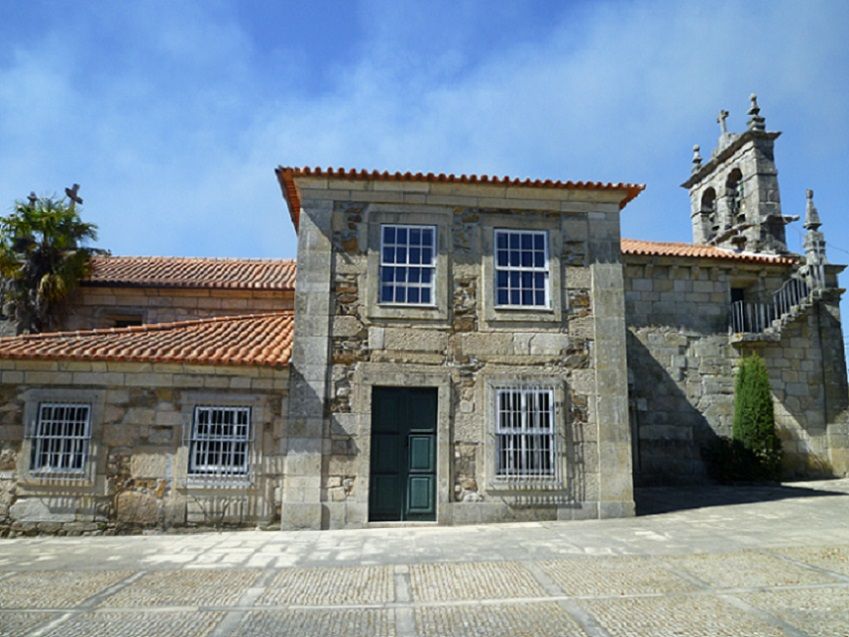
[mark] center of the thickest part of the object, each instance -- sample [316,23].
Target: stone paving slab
[137,624]
[184,588]
[329,586]
[503,620]
[677,616]
[20,623]
[487,580]
[747,569]
[358,622]
[604,576]
[820,612]
[830,558]
[55,589]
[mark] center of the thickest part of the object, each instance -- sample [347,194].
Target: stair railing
[753,317]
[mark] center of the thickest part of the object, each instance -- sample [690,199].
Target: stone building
[452,349]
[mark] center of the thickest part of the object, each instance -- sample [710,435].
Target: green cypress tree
[754,418]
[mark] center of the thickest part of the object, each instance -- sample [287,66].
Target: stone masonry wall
[469,346]
[100,306]
[139,447]
[682,366]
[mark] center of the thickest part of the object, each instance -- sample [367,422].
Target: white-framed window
[524,431]
[521,268]
[407,264]
[219,444]
[60,438]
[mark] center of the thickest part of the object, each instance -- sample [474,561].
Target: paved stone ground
[761,561]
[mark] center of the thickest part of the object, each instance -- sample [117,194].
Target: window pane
[410,260]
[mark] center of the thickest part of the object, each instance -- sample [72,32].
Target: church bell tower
[734,196]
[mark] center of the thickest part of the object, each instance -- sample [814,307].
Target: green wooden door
[403,454]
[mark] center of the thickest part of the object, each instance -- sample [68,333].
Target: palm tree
[42,259]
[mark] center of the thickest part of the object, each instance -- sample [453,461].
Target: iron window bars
[524,432]
[521,268]
[219,443]
[60,438]
[407,264]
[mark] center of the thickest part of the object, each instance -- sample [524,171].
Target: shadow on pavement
[653,500]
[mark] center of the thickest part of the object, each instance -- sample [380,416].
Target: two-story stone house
[454,349]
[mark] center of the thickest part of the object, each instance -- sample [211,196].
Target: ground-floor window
[60,438]
[220,441]
[524,431]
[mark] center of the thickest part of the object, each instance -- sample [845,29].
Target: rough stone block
[41,510]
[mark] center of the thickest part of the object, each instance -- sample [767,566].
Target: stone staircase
[753,321]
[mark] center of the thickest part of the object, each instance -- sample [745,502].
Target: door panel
[403,454]
[421,450]
[420,500]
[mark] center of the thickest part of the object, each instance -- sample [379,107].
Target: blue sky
[173,115]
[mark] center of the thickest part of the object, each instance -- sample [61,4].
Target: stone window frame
[495,483]
[494,314]
[95,462]
[395,215]
[259,418]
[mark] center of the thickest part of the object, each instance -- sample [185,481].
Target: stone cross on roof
[73,196]
[723,115]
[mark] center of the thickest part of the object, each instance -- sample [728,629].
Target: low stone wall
[137,474]
[100,306]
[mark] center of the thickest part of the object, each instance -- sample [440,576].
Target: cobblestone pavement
[770,561]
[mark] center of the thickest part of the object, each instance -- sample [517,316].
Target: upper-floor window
[220,440]
[407,264]
[521,268]
[60,438]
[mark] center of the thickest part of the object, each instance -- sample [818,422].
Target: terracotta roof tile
[257,339]
[286,176]
[699,251]
[191,272]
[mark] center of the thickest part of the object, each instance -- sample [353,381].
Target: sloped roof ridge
[185,258]
[700,250]
[286,175]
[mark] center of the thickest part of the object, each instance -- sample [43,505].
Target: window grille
[524,431]
[60,438]
[521,268]
[407,264]
[220,441]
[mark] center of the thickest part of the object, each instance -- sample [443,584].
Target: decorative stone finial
[697,158]
[812,217]
[756,122]
[720,119]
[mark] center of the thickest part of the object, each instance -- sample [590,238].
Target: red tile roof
[191,272]
[257,339]
[698,251]
[286,176]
